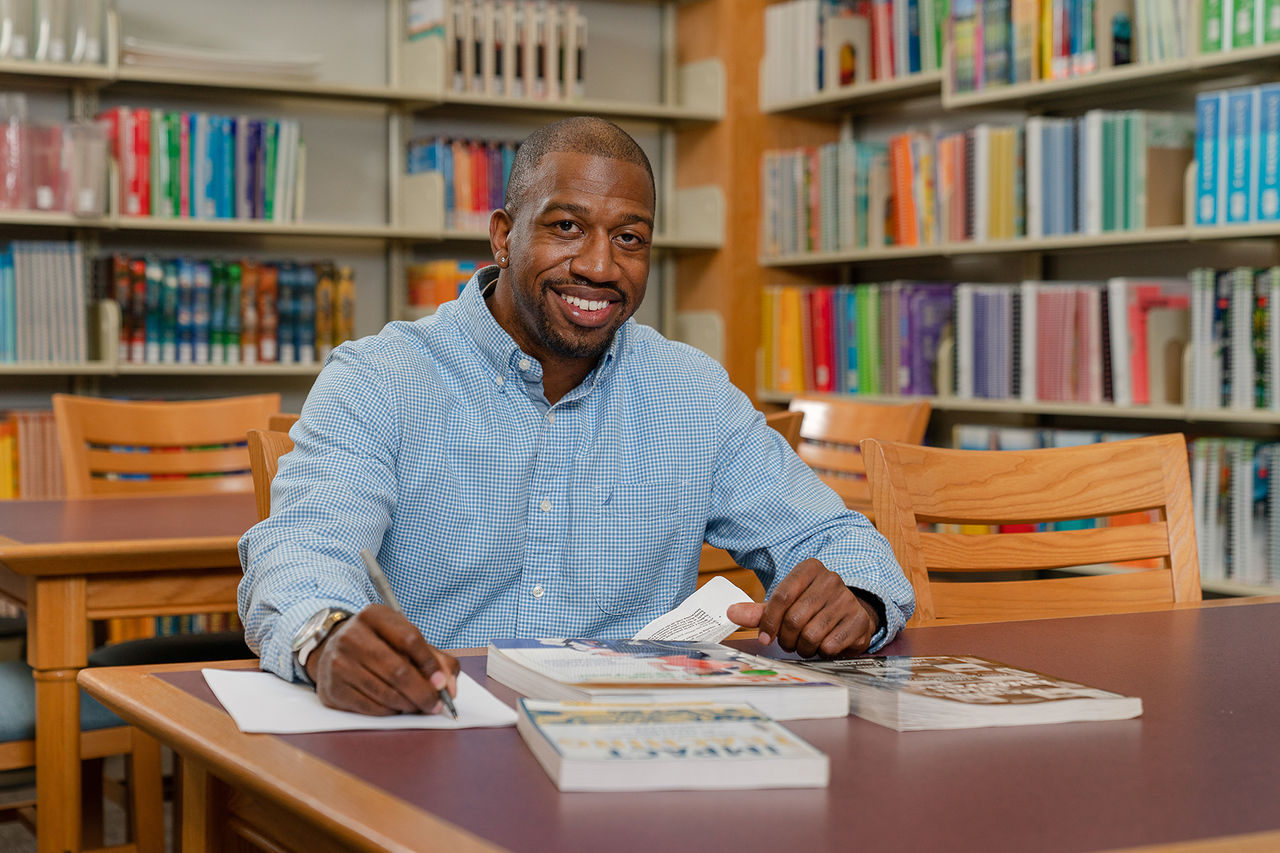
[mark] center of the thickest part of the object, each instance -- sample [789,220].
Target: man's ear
[499,234]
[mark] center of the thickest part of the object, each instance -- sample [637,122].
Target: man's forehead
[570,173]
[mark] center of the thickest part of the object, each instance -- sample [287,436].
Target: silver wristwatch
[314,630]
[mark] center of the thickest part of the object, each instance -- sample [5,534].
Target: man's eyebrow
[575,209]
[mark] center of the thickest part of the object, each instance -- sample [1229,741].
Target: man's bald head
[578,135]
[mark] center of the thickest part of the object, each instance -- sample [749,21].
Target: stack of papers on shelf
[662,671]
[963,691]
[666,747]
[150,54]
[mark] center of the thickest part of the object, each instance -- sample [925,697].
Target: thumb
[746,614]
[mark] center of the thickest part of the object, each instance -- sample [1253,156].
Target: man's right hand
[377,663]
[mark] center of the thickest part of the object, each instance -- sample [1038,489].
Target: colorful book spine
[1210,188]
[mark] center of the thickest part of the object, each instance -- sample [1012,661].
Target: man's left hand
[811,613]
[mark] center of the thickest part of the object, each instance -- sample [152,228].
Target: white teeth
[584,304]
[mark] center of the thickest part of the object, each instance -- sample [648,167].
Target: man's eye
[565,226]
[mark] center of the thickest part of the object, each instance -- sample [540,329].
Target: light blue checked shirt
[495,514]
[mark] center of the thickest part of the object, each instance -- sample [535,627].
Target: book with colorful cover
[586,747]
[661,671]
[914,693]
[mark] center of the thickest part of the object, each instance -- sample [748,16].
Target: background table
[1203,761]
[70,561]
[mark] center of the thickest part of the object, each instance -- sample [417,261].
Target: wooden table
[1202,762]
[71,561]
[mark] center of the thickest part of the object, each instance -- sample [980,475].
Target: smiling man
[530,462]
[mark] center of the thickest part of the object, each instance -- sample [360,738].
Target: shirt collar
[499,349]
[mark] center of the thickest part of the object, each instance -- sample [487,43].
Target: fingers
[746,614]
[779,604]
[378,663]
[812,612]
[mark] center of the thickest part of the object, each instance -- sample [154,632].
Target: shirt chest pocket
[622,540]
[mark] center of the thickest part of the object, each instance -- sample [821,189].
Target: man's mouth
[589,313]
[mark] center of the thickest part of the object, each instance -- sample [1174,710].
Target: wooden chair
[832,429]
[265,449]
[913,485]
[114,447]
[716,561]
[281,421]
[126,447]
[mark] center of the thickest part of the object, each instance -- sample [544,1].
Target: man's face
[578,252]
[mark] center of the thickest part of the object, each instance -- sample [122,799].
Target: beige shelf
[51,368]
[1066,242]
[827,103]
[218,369]
[334,230]
[1123,81]
[260,85]
[1179,414]
[61,71]
[608,109]
[1124,77]
[48,219]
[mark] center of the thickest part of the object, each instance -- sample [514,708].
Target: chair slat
[170,461]
[954,486]
[824,458]
[1051,598]
[1043,550]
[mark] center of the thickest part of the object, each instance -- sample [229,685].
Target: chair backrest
[913,485]
[832,429]
[787,423]
[265,449]
[282,421]
[190,447]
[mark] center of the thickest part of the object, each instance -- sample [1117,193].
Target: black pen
[389,598]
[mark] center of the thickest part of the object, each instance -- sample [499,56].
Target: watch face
[309,628]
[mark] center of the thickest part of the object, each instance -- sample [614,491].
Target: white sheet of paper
[262,702]
[700,617]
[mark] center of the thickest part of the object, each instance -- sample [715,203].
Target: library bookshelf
[881,108]
[371,96]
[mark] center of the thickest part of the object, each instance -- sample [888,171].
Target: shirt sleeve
[771,512]
[333,495]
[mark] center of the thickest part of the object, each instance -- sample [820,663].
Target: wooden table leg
[146,791]
[58,828]
[57,638]
[196,821]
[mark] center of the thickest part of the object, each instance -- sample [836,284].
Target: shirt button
[551,417]
[498,379]
[524,364]
[537,591]
[546,506]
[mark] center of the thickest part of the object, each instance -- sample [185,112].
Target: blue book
[8,309]
[227,174]
[446,171]
[201,310]
[1267,153]
[1067,146]
[913,38]
[155,317]
[847,324]
[304,327]
[169,314]
[186,311]
[287,312]
[1209,125]
[1239,154]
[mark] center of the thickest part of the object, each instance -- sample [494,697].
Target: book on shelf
[661,671]
[504,48]
[922,692]
[586,747]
